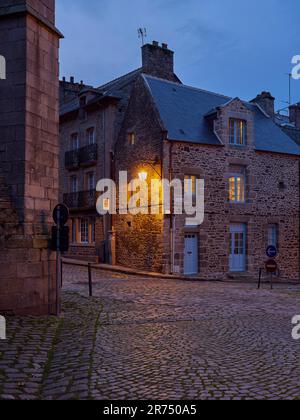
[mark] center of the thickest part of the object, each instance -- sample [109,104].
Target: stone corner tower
[29,132]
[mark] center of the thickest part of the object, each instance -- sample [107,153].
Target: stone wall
[139,239]
[29,155]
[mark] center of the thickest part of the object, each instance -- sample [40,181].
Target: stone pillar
[29,130]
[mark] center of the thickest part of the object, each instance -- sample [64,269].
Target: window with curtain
[190,184]
[90,136]
[84,231]
[237,189]
[74,141]
[74,184]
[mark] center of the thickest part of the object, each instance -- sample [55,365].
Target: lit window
[75,141]
[90,136]
[273,235]
[84,231]
[237,132]
[74,231]
[74,184]
[93,230]
[106,204]
[237,189]
[190,182]
[131,139]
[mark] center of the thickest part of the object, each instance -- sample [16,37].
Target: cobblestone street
[156,339]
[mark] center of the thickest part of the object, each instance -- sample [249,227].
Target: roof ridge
[131,73]
[187,86]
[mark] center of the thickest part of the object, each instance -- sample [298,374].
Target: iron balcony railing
[80,200]
[85,156]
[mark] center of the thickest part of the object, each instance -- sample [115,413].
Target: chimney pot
[155,44]
[266,101]
[164,46]
[295,115]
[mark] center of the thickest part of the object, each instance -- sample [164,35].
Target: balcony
[80,200]
[86,156]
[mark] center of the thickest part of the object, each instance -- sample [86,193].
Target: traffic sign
[61,214]
[271,266]
[271,251]
[62,243]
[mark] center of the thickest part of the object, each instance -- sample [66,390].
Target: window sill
[238,146]
[76,245]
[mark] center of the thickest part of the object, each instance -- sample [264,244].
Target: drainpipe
[105,221]
[172,230]
[299,221]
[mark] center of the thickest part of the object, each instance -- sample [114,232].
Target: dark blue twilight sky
[234,47]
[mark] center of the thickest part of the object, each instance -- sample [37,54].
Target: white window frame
[190,186]
[273,235]
[235,136]
[84,231]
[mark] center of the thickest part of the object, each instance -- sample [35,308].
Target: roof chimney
[295,115]
[267,102]
[158,61]
[72,80]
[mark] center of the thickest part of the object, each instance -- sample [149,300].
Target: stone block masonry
[28,155]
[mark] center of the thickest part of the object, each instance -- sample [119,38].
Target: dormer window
[237,132]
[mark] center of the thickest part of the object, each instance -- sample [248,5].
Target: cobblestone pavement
[156,339]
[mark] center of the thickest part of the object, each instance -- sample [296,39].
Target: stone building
[29,127]
[250,166]
[90,121]
[147,122]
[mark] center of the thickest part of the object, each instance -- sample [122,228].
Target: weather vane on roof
[142,34]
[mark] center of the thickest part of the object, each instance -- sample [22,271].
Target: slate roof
[111,89]
[183,111]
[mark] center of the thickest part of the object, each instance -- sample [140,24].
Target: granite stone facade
[28,155]
[157,243]
[102,109]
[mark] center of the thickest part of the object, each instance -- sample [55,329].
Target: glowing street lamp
[143,176]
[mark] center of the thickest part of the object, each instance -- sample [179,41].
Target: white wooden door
[191,254]
[237,260]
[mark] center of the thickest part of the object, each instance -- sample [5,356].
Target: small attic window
[237,132]
[131,138]
[281,185]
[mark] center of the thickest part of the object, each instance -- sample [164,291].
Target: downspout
[106,247]
[172,232]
